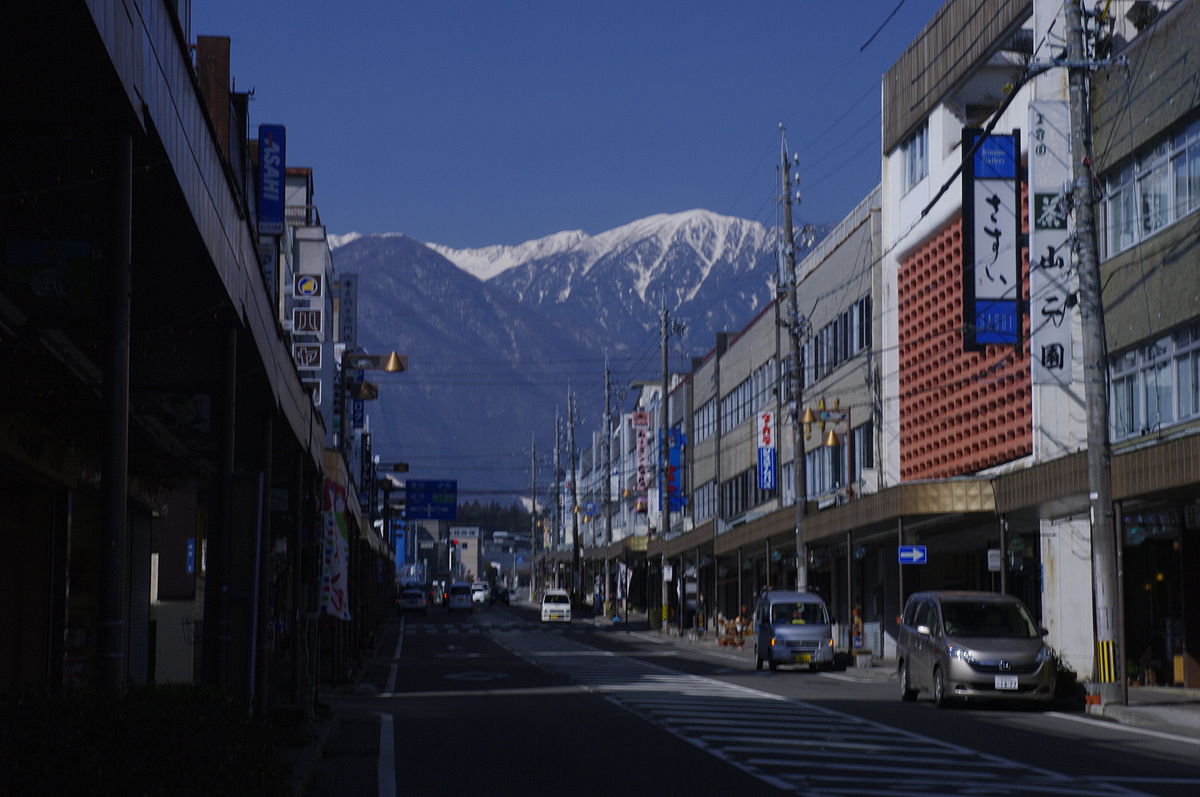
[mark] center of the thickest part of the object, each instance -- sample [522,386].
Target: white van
[556,605]
[792,628]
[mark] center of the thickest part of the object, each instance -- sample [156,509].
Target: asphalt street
[496,703]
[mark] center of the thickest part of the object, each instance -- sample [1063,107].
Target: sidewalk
[1158,708]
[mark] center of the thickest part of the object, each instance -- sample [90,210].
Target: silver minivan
[792,628]
[958,644]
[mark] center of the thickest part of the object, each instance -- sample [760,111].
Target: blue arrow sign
[912,554]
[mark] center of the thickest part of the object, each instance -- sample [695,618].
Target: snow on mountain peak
[706,232]
[486,262]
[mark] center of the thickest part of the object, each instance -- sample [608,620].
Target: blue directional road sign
[431,500]
[912,554]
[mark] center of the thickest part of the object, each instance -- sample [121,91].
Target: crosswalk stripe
[791,744]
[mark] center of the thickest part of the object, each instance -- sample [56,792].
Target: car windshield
[799,613]
[981,618]
[556,599]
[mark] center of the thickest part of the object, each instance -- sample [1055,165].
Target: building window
[1156,385]
[705,502]
[706,420]
[1154,190]
[916,157]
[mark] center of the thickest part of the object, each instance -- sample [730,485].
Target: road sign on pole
[911,554]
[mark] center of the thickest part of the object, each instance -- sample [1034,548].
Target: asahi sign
[271,164]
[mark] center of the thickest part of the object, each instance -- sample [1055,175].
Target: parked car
[458,598]
[792,628]
[958,645]
[556,606]
[412,599]
[481,594]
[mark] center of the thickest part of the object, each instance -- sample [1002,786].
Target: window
[864,449]
[916,157]
[705,502]
[706,420]
[1156,385]
[1155,189]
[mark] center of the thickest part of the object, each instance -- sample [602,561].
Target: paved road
[496,703]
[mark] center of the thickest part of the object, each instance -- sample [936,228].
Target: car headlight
[960,653]
[1044,655]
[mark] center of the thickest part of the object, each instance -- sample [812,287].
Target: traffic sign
[912,554]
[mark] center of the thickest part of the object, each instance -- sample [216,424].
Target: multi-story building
[158,438]
[951,373]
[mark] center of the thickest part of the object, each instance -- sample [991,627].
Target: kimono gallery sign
[992,271]
[1052,281]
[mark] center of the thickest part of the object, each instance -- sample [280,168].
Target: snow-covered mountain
[494,335]
[713,272]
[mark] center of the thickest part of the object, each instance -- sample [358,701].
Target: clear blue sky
[476,122]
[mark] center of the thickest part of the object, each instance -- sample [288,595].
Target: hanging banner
[676,442]
[641,426]
[1052,281]
[765,430]
[335,569]
[991,229]
[272,161]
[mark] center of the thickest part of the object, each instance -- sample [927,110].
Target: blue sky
[471,123]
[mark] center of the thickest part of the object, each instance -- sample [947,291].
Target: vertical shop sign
[991,213]
[1052,281]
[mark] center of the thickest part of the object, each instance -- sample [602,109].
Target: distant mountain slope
[494,335]
[478,361]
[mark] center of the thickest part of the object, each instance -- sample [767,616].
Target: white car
[556,606]
[480,593]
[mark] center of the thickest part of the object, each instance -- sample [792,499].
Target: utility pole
[1091,305]
[663,456]
[555,532]
[533,546]
[790,280]
[664,424]
[607,477]
[607,457]
[576,553]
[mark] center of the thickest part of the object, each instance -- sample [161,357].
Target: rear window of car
[412,593]
[460,591]
[556,599]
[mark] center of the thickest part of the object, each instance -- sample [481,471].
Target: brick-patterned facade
[960,411]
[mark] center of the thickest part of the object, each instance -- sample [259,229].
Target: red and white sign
[766,430]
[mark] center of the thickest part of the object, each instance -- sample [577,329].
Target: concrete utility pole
[1091,307]
[576,554]
[556,531]
[790,280]
[533,535]
[608,415]
[607,461]
[664,423]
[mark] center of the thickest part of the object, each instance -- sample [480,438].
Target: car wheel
[758,662]
[907,693]
[940,699]
[772,665]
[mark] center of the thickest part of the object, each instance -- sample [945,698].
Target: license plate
[803,658]
[1008,682]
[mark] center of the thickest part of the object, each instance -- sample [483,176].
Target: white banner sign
[1052,281]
